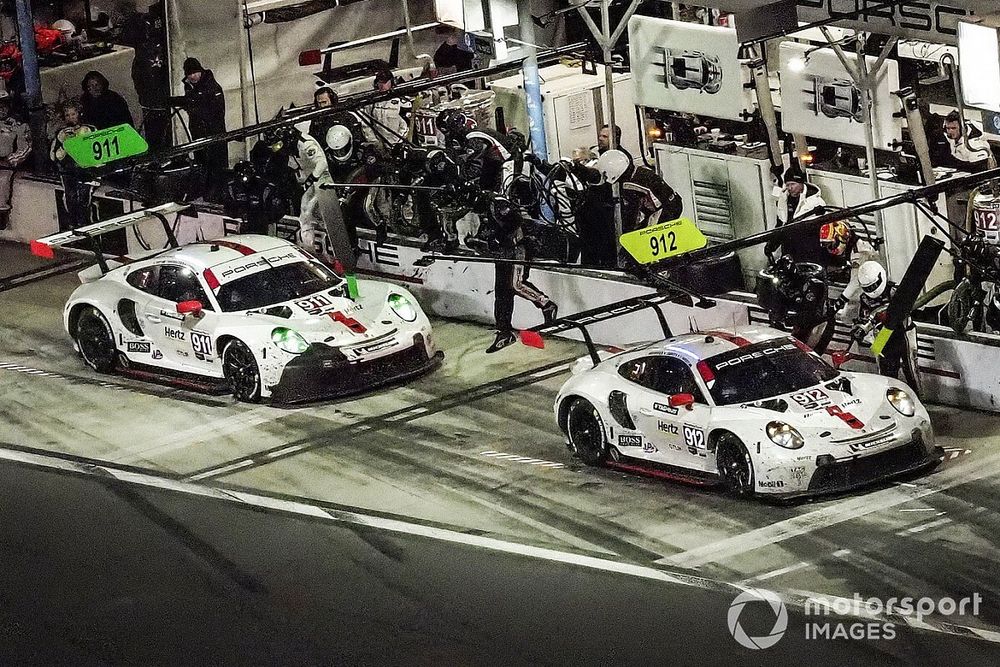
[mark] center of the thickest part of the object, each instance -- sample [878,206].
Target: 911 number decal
[201,344]
[812,399]
[694,438]
[314,305]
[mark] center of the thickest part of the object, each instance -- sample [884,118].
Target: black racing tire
[96,341]
[585,430]
[241,372]
[735,466]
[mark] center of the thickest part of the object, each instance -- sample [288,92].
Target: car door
[136,338]
[187,341]
[676,433]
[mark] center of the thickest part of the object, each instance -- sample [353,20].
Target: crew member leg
[307,221]
[503,307]
[6,193]
[526,290]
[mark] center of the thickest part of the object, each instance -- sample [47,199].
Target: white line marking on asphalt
[285,450]
[967,471]
[840,553]
[219,471]
[541,463]
[917,509]
[793,598]
[777,573]
[924,526]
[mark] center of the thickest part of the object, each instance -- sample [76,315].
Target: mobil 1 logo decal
[694,440]
[201,344]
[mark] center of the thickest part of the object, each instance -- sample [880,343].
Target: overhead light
[797,64]
[979,61]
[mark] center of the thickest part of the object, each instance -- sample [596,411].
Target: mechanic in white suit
[320,205]
[390,123]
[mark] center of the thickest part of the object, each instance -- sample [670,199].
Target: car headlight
[784,435]
[403,307]
[902,401]
[289,341]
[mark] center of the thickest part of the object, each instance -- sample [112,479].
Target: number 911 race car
[756,410]
[252,313]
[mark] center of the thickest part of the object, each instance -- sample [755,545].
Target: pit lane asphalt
[495,465]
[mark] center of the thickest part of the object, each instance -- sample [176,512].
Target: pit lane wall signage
[927,20]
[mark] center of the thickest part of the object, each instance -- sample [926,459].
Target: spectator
[799,200]
[323,98]
[948,147]
[77,190]
[102,107]
[146,33]
[15,144]
[450,56]
[205,104]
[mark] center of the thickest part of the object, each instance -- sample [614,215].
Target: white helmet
[613,165]
[872,278]
[65,27]
[340,141]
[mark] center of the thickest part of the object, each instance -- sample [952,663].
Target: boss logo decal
[630,440]
[139,347]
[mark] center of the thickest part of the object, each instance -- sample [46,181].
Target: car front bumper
[325,372]
[831,476]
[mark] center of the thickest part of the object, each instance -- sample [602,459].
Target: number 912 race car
[252,313]
[756,410]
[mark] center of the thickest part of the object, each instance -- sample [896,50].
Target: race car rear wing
[46,246]
[533,337]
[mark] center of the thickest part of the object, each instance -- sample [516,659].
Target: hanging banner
[927,20]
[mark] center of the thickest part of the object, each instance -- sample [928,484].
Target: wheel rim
[240,369]
[95,344]
[585,431]
[735,469]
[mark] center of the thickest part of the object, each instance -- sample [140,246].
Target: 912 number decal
[694,439]
[812,399]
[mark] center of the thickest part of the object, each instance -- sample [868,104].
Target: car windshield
[763,370]
[276,285]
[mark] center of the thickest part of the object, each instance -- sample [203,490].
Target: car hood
[855,404]
[333,319]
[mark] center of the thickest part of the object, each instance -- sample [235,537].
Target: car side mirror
[840,358]
[681,401]
[193,307]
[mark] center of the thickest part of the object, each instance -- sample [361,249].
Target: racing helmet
[872,278]
[835,237]
[613,165]
[284,140]
[65,27]
[452,122]
[244,172]
[340,141]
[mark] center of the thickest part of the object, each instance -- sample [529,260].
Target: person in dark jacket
[205,104]
[102,107]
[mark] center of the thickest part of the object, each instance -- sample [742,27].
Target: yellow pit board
[667,239]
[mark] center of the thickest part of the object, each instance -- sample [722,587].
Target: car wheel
[241,372]
[96,341]
[735,465]
[585,429]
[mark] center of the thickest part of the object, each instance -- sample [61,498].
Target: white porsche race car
[755,410]
[252,313]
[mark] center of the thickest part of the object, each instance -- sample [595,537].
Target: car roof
[206,254]
[702,345]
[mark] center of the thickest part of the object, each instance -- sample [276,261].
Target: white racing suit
[320,206]
[900,352]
